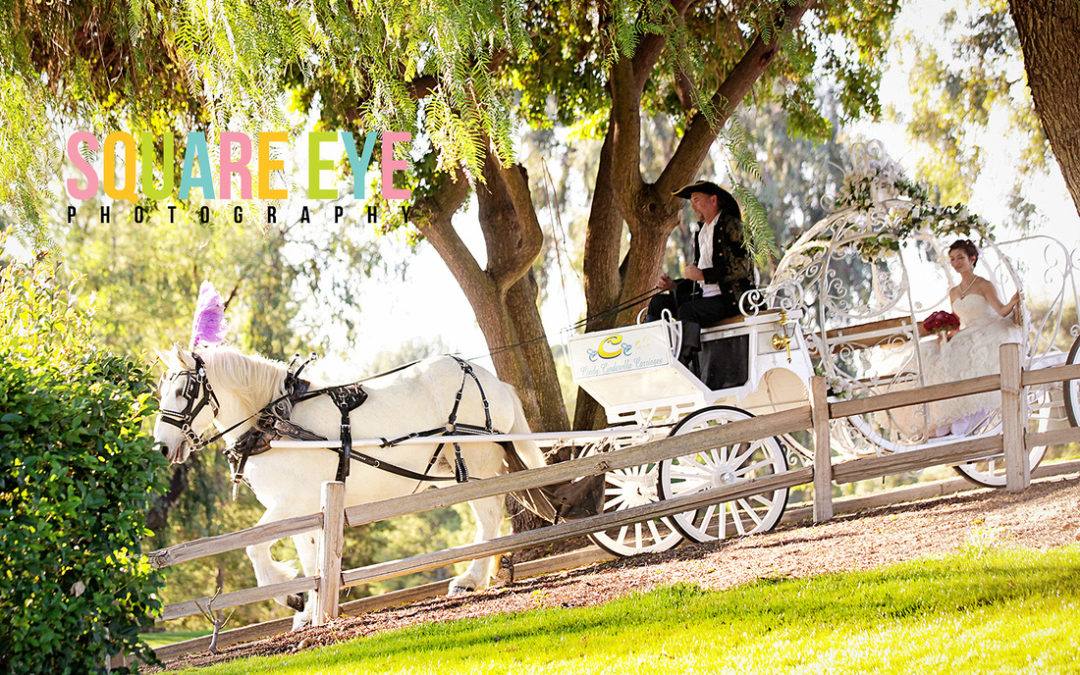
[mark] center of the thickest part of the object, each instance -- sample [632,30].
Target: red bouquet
[940,322]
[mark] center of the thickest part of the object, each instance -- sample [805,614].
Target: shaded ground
[1046,515]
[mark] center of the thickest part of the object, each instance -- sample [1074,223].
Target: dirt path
[1046,515]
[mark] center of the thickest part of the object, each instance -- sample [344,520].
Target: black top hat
[724,200]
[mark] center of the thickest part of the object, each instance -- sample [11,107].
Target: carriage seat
[883,333]
[739,318]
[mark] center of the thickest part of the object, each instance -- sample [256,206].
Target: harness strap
[346,398]
[466,372]
[397,470]
[389,443]
[198,394]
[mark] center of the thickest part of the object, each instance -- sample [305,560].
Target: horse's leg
[489,515]
[306,552]
[269,571]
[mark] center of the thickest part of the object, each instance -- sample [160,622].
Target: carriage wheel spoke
[688,471]
[719,455]
[655,532]
[612,502]
[750,512]
[710,511]
[764,502]
[622,535]
[637,535]
[752,467]
[735,517]
[694,484]
[739,459]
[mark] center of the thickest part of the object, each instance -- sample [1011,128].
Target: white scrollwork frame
[850,275]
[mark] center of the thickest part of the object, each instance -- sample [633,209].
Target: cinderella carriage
[848,301]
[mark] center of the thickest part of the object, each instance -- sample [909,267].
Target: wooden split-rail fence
[1013,442]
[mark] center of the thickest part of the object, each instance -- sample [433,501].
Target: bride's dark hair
[967,247]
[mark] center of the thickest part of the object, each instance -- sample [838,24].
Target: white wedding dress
[972,352]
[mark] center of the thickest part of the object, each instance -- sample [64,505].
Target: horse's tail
[525,454]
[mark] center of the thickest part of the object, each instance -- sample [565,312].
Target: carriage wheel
[1044,404]
[623,489]
[724,465]
[1072,387]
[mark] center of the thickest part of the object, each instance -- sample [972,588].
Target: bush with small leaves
[78,478]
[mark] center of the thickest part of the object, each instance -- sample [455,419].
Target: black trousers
[725,363]
[686,305]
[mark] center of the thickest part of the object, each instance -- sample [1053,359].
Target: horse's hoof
[460,590]
[295,601]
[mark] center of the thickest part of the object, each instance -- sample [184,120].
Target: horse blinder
[197,394]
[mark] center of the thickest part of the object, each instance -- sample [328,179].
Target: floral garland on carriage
[852,268]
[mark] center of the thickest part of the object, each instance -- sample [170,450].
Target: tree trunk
[1048,31]
[649,210]
[600,266]
[536,351]
[503,293]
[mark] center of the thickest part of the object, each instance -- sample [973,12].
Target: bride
[972,350]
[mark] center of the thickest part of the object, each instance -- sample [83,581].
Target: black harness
[273,422]
[197,395]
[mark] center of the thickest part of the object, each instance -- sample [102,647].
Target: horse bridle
[197,395]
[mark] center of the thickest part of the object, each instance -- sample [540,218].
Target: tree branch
[625,133]
[699,136]
[628,79]
[600,263]
[513,238]
[531,241]
[650,47]
[435,220]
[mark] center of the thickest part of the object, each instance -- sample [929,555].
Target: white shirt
[705,254]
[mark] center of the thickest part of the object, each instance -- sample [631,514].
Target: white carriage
[846,302]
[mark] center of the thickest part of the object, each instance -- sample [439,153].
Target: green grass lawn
[158,639]
[980,611]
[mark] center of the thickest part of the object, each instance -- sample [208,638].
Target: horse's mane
[255,379]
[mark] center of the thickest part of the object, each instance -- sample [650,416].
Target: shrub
[78,477]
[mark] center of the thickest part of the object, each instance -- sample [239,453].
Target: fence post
[819,413]
[1017,465]
[328,562]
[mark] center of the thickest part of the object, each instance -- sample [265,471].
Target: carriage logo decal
[611,347]
[633,348]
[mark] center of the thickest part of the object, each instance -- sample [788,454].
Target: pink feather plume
[208,327]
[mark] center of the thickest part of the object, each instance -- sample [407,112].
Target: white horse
[287,481]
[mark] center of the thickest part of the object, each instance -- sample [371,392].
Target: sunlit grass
[977,611]
[159,639]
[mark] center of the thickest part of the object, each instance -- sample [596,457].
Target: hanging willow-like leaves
[218,64]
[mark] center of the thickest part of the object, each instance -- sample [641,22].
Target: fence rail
[1014,441]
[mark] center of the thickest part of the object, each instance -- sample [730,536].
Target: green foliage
[22,183]
[795,171]
[79,476]
[456,73]
[100,65]
[145,277]
[926,615]
[963,100]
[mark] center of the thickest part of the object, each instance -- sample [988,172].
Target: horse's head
[187,404]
